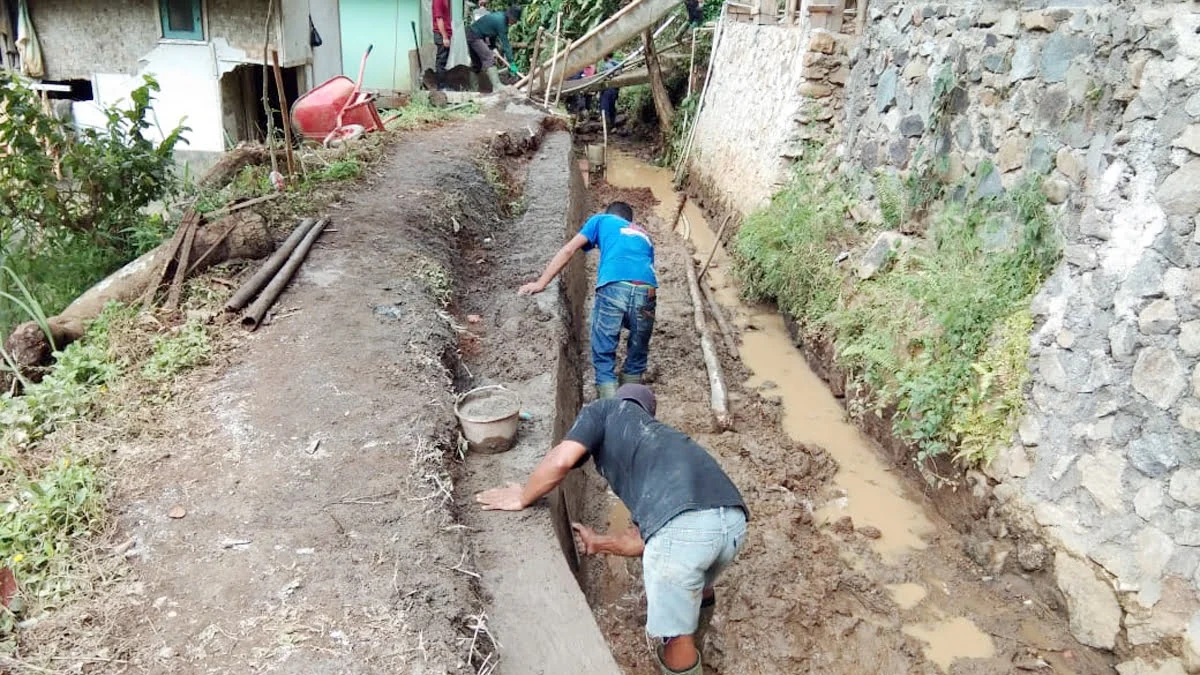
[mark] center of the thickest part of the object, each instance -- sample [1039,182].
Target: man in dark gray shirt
[689,518]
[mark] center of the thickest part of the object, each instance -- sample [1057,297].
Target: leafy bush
[40,525]
[785,252]
[66,393]
[174,354]
[71,204]
[941,335]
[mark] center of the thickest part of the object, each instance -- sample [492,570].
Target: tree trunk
[662,100]
[240,235]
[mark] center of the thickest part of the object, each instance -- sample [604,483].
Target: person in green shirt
[482,37]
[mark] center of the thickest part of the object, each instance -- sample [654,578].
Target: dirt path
[805,597]
[317,469]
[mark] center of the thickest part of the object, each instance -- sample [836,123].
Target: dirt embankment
[317,468]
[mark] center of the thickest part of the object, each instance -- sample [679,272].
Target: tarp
[27,44]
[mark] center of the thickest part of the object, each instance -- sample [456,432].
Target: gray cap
[639,394]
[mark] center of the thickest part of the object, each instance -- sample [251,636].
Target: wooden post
[692,66]
[562,76]
[535,64]
[283,108]
[715,246]
[662,100]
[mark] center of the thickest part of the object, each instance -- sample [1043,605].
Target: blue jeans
[681,560]
[621,305]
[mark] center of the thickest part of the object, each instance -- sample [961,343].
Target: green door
[386,24]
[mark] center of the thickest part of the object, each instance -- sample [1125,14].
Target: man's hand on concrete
[589,540]
[507,498]
[532,288]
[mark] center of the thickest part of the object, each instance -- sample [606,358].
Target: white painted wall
[189,75]
[326,59]
[190,94]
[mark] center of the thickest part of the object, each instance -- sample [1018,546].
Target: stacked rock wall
[1101,100]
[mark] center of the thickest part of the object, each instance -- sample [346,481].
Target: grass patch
[420,112]
[52,496]
[940,336]
[785,252]
[176,353]
[67,393]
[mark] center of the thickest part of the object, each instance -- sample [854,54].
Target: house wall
[77,39]
[327,59]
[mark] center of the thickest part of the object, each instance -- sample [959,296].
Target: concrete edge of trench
[537,612]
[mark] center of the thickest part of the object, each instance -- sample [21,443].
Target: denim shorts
[682,559]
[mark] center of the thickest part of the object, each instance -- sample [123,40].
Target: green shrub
[71,203]
[942,334]
[786,251]
[174,354]
[41,524]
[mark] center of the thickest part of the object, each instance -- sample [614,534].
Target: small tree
[71,204]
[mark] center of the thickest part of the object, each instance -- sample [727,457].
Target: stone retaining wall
[1101,100]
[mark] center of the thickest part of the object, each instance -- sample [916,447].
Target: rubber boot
[707,607]
[494,78]
[697,669]
[606,390]
[630,379]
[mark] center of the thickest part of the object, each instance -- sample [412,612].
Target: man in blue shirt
[608,97]
[625,292]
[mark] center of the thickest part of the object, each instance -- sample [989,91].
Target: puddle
[956,638]
[874,495]
[907,596]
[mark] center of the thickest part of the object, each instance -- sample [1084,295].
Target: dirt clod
[177,512]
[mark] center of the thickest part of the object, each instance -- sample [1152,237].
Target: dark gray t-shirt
[656,470]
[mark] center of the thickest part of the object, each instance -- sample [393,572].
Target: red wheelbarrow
[337,110]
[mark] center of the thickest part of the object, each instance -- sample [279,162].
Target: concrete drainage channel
[526,562]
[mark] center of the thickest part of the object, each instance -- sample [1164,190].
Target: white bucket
[489,418]
[595,155]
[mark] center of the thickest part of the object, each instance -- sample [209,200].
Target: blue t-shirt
[626,252]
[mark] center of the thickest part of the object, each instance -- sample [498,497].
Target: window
[182,19]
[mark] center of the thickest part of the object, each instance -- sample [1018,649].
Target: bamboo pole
[562,77]
[246,293]
[727,332]
[712,59]
[553,61]
[537,51]
[604,125]
[254,315]
[715,246]
[692,65]
[716,381]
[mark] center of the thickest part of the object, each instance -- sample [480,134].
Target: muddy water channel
[950,615]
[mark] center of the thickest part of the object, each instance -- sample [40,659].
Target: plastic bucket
[595,155]
[489,417]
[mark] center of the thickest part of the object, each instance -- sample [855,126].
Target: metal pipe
[254,315]
[254,284]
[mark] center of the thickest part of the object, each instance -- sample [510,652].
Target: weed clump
[172,355]
[940,338]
